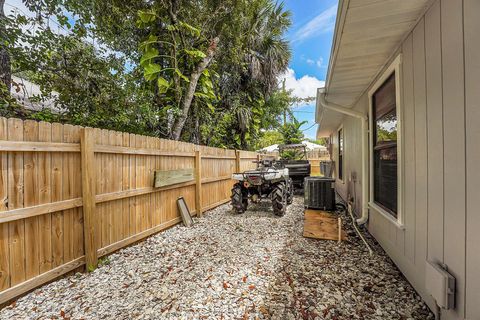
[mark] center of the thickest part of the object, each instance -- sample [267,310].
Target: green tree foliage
[269,138]
[203,71]
[292,133]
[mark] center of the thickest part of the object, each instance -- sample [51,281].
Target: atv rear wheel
[290,191]
[279,199]
[239,198]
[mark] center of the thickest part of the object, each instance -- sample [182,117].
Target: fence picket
[57,195]
[15,200]
[4,237]
[44,187]
[31,194]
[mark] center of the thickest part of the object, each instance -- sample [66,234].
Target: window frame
[340,129]
[394,67]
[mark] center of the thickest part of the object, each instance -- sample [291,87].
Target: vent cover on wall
[320,193]
[440,284]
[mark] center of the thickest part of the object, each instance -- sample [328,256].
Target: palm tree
[267,54]
[269,51]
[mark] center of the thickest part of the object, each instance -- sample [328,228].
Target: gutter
[364,121]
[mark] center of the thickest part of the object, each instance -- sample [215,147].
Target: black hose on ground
[340,207]
[348,207]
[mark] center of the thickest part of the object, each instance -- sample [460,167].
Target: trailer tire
[239,198]
[279,199]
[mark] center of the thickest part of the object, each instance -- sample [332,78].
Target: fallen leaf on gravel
[264,311]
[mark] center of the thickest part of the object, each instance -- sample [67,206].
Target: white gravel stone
[228,266]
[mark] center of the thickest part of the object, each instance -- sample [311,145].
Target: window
[340,154]
[384,146]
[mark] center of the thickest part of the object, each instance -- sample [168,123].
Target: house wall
[440,82]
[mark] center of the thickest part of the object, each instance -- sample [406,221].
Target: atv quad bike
[269,180]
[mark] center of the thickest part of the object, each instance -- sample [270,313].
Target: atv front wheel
[239,198]
[279,199]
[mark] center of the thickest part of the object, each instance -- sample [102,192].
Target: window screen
[340,154]
[384,113]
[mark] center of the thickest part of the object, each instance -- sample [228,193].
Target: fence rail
[69,195]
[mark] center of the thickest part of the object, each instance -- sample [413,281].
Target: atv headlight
[237,176]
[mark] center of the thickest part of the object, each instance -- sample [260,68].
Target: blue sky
[310,39]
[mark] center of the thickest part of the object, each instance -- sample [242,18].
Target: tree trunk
[5,71]
[192,87]
[196,131]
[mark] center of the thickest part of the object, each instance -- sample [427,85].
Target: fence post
[198,182]
[237,161]
[87,144]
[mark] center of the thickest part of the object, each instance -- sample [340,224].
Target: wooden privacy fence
[70,194]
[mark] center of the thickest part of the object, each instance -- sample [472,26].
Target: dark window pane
[340,167]
[385,178]
[384,115]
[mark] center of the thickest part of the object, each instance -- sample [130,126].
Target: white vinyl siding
[440,114]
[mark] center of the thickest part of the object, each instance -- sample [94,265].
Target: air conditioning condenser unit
[320,193]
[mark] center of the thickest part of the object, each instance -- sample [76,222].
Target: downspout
[364,121]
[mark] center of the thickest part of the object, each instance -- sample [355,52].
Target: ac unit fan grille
[320,193]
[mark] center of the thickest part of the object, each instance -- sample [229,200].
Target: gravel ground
[250,266]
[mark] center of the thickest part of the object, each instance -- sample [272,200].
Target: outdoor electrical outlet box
[440,284]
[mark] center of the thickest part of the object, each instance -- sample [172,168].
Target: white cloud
[303,87]
[320,62]
[322,23]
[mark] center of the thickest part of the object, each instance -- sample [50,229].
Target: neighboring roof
[309,145]
[23,91]
[367,34]
[292,146]
[272,148]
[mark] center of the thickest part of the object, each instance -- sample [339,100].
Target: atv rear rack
[257,177]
